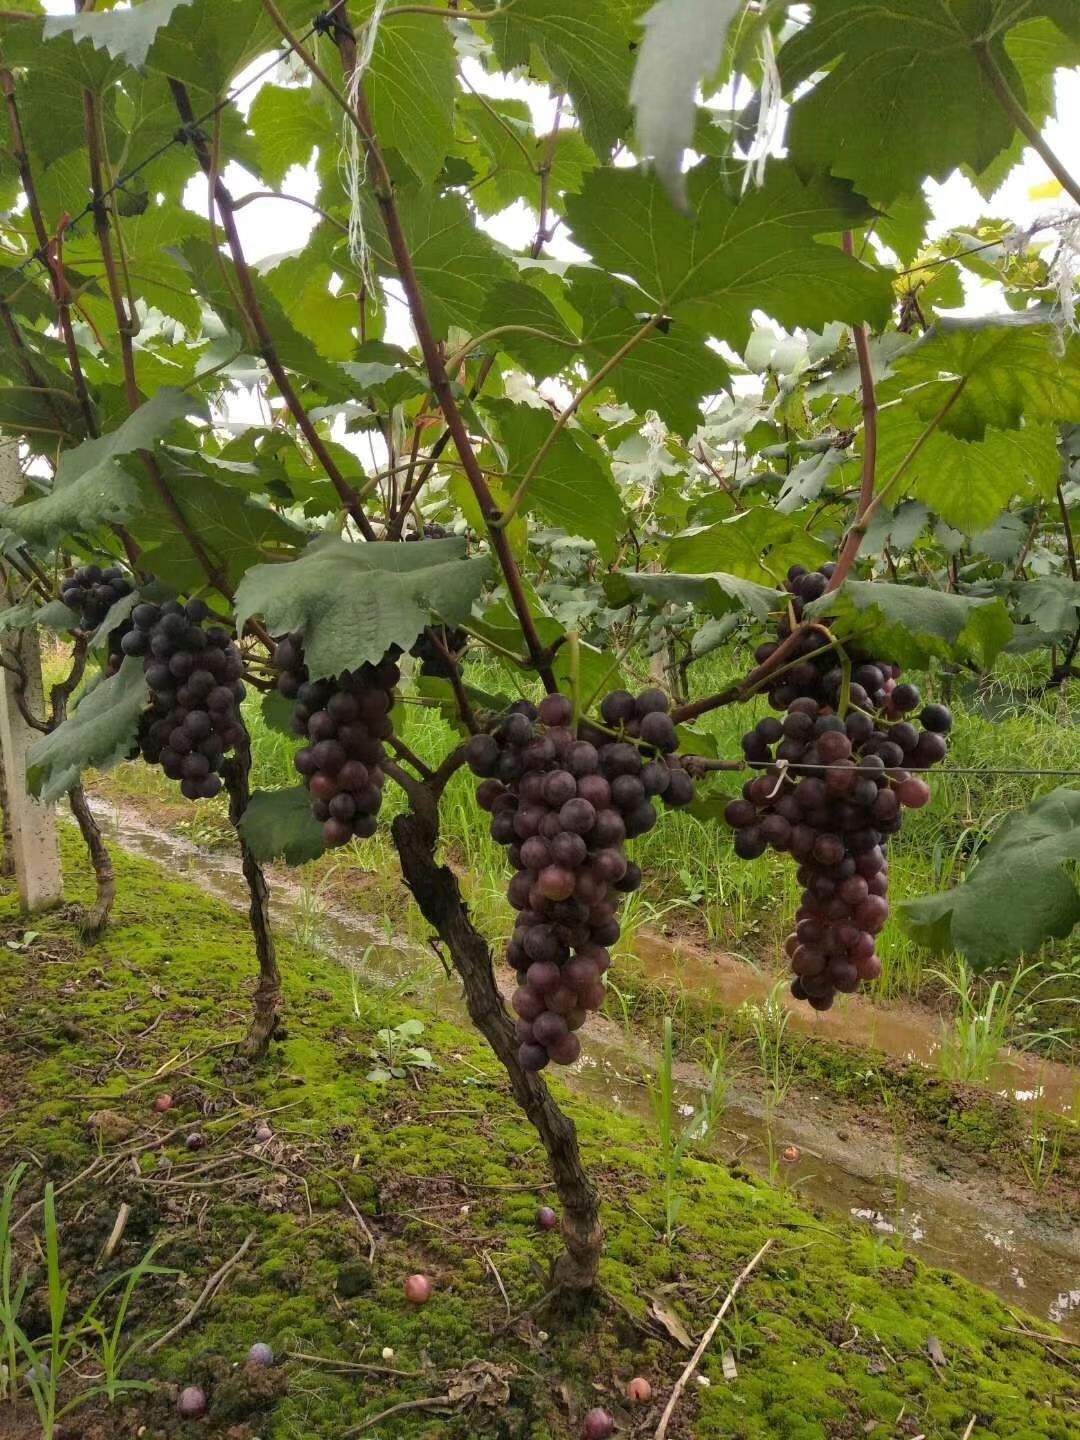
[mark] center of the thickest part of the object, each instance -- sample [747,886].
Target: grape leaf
[456,263]
[288,123]
[717,594]
[584,48]
[969,482]
[1019,894]
[352,602]
[672,371]
[91,487]
[757,544]
[572,489]
[684,40]
[910,624]
[411,91]
[883,62]
[1010,368]
[237,529]
[759,252]
[126,34]
[98,733]
[1052,603]
[513,303]
[280,823]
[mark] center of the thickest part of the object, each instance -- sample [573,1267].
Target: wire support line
[795,766]
[183,136]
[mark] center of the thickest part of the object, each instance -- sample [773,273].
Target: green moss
[830,1336]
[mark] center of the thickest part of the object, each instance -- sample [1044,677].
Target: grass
[694,882]
[70,1344]
[830,1336]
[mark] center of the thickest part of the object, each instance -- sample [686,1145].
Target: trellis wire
[797,765]
[182,137]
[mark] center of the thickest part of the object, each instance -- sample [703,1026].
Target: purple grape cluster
[92,592]
[840,796]
[564,803]
[345,721]
[193,673]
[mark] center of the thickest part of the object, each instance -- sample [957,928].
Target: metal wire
[183,136]
[796,765]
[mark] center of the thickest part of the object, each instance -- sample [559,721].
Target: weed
[674,1138]
[49,1360]
[395,1054]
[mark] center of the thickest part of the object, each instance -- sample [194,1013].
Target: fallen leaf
[670,1321]
[111,1126]
[482,1383]
[728,1362]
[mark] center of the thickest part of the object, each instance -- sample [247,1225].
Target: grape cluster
[193,672]
[833,806]
[439,650]
[564,803]
[92,592]
[345,720]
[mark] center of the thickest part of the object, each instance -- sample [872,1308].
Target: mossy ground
[830,1337]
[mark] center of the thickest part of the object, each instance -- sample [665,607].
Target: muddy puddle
[901,1033]
[957,1218]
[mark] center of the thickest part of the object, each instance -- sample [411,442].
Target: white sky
[275,228]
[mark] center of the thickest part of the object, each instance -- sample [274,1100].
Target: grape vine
[837,773]
[564,800]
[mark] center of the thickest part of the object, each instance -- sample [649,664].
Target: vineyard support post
[35,847]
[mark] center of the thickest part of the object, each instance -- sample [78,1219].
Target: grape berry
[851,771]
[345,721]
[195,687]
[564,804]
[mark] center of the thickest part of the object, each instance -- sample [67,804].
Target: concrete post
[31,824]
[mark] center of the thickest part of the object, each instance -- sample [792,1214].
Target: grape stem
[768,670]
[573,639]
[251,311]
[359,116]
[850,548]
[1022,120]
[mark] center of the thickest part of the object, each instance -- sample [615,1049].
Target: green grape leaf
[683,43]
[573,488]
[456,264]
[1020,892]
[279,824]
[288,124]
[968,482]
[672,370]
[1003,370]
[56,616]
[716,594]
[237,530]
[739,255]
[881,61]
[585,49]
[411,91]
[513,303]
[352,602]
[125,34]
[911,624]
[91,487]
[757,544]
[98,733]
[206,45]
[1052,603]
[296,350]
